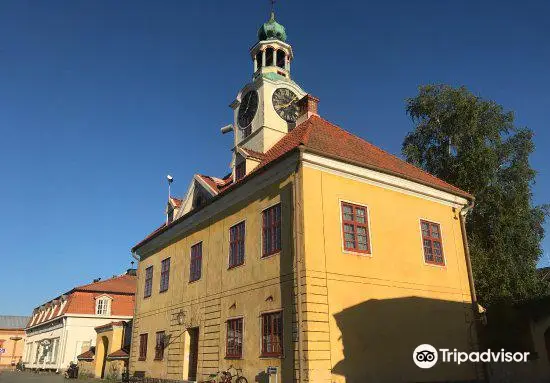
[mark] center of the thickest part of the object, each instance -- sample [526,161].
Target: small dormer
[103,305]
[245,161]
[240,167]
[172,208]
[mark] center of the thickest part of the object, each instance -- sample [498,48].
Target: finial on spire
[272,9]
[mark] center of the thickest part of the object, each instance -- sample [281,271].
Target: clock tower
[266,108]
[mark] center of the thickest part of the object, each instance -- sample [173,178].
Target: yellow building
[12,340]
[109,357]
[320,254]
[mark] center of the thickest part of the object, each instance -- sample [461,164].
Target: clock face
[247,109]
[285,103]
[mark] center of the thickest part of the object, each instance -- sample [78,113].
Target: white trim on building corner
[382,180]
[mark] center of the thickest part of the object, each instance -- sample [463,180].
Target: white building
[63,328]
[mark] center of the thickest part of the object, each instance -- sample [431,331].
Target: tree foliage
[473,143]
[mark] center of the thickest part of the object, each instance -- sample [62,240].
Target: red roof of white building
[82,300]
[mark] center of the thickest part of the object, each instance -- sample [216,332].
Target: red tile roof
[81,299]
[81,302]
[124,284]
[176,201]
[210,182]
[118,323]
[320,136]
[87,355]
[253,153]
[119,354]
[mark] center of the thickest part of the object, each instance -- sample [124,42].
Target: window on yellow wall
[236,244]
[271,230]
[142,346]
[433,245]
[164,274]
[148,282]
[234,344]
[159,347]
[355,229]
[196,262]
[272,334]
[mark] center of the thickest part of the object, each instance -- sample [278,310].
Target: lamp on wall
[180,317]
[180,320]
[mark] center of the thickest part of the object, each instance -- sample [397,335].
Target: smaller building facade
[109,357]
[63,328]
[12,339]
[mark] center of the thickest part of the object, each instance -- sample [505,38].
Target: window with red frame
[355,228]
[271,230]
[196,262]
[236,245]
[272,334]
[148,282]
[159,346]
[142,346]
[234,348]
[164,274]
[240,170]
[431,240]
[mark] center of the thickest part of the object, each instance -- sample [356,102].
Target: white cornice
[380,179]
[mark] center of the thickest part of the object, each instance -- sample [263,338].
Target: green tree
[473,143]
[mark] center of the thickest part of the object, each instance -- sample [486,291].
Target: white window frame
[103,300]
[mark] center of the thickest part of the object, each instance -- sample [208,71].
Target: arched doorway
[102,350]
[105,342]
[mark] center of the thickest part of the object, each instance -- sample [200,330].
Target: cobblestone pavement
[30,377]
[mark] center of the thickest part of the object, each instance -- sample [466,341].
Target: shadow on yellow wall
[379,337]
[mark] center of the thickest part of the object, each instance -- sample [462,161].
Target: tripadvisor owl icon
[425,356]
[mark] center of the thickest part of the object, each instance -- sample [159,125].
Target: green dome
[272,30]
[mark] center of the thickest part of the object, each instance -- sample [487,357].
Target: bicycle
[227,377]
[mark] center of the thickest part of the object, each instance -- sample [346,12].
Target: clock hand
[287,104]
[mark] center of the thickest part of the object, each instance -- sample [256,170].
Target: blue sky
[99,100]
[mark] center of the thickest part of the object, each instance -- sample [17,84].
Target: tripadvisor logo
[426,356]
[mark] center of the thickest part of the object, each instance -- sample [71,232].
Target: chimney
[307,107]
[131,272]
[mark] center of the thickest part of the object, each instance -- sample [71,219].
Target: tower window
[259,59]
[281,58]
[240,170]
[269,57]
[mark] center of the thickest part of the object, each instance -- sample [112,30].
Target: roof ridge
[101,281]
[379,149]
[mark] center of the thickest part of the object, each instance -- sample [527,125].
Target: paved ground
[24,377]
[30,377]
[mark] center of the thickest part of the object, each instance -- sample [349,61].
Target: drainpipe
[463,212]
[477,319]
[137,258]
[297,206]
